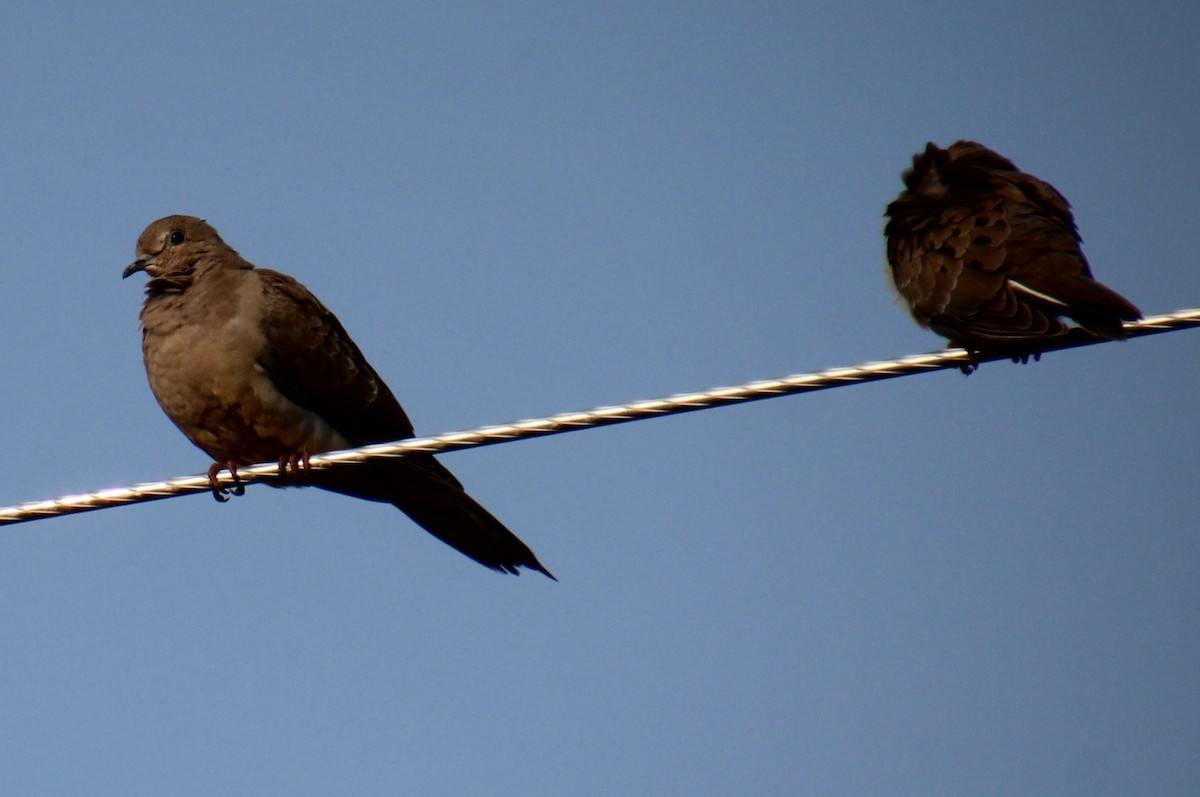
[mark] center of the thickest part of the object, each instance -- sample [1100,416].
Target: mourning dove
[989,256]
[253,368]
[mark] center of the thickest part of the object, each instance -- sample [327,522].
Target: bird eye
[176,238]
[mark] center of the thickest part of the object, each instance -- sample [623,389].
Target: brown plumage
[253,368]
[990,257]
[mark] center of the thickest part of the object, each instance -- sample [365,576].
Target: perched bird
[253,368]
[989,256]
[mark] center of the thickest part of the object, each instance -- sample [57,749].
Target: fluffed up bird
[253,368]
[990,257]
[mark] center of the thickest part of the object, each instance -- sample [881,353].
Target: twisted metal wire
[572,421]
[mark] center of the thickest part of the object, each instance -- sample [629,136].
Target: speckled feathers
[990,257]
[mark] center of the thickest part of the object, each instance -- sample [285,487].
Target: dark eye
[176,238]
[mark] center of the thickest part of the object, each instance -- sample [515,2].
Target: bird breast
[204,348]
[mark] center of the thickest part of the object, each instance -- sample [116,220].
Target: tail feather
[1092,305]
[423,489]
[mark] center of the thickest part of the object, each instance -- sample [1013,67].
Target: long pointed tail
[422,488]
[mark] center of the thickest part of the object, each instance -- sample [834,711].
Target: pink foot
[221,493]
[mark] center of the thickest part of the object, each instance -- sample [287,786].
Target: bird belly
[224,402]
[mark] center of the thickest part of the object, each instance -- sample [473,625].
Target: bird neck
[169,284]
[179,280]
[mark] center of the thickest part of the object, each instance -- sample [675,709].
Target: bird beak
[143,263]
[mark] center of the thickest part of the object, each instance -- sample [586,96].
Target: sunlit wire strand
[571,421]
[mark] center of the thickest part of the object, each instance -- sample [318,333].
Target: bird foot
[294,467]
[972,365]
[222,493]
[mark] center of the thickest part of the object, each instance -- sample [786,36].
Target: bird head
[174,247]
[962,164]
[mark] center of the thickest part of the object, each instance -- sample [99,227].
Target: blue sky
[933,585]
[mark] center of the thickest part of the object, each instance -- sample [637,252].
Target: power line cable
[573,421]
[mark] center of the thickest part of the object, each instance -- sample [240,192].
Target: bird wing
[1045,260]
[949,264]
[1001,264]
[314,363]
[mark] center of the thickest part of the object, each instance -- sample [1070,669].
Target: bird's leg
[218,491]
[213,470]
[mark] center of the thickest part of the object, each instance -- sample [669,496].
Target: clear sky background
[933,585]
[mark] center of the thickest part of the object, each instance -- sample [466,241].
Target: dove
[989,256]
[253,368]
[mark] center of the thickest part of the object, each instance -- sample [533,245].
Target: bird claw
[972,363]
[294,467]
[222,493]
